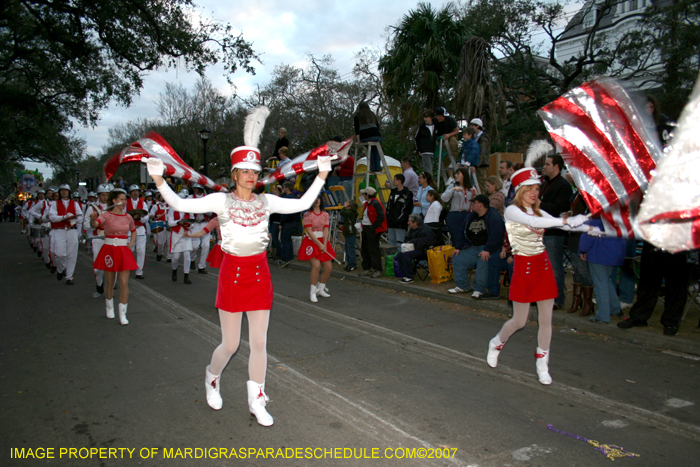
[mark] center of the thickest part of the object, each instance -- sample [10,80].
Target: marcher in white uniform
[159,213]
[38,214]
[204,241]
[66,218]
[134,202]
[244,277]
[98,235]
[179,244]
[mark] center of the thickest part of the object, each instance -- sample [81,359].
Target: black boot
[159,257]
[187,279]
[174,275]
[100,289]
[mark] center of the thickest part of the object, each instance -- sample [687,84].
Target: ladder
[368,175]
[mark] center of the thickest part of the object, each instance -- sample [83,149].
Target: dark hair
[289,185]
[466,180]
[322,206]
[508,163]
[557,160]
[429,178]
[483,199]
[114,194]
[657,109]
[469,130]
[434,194]
[352,204]
[429,113]
[407,159]
[364,114]
[400,178]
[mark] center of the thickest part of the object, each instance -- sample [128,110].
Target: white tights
[519,320]
[231,337]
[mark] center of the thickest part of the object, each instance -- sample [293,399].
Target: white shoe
[624,306]
[457,290]
[541,364]
[122,314]
[476,294]
[495,346]
[257,399]
[312,294]
[109,304]
[212,386]
[321,290]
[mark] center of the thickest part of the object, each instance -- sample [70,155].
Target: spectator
[480,236]
[659,122]
[398,208]
[496,198]
[274,227]
[410,175]
[433,214]
[349,214]
[446,129]
[283,154]
[373,224]
[484,152]
[497,264]
[659,267]
[469,154]
[290,225]
[583,285]
[345,171]
[425,140]
[554,196]
[419,237]
[367,130]
[505,171]
[420,202]
[459,195]
[282,142]
[603,256]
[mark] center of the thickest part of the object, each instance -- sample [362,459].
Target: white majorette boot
[541,363]
[110,308]
[312,295]
[256,403]
[495,346]
[321,290]
[122,314]
[211,384]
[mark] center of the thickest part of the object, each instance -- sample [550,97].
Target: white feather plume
[538,149]
[254,124]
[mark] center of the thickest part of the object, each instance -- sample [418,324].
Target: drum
[37,231]
[157,226]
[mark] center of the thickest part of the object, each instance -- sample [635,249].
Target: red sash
[61,209]
[176,217]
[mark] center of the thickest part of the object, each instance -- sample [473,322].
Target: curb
[577,324]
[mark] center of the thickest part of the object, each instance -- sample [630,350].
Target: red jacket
[376,216]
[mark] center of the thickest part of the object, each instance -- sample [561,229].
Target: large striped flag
[608,149]
[153,145]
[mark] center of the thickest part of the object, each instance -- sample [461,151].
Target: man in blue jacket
[480,237]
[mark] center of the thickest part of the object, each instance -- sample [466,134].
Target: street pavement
[370,376]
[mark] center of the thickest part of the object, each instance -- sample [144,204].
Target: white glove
[358,227]
[155,166]
[575,221]
[324,163]
[596,232]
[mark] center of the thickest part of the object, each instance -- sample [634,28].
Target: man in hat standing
[134,202]
[484,142]
[66,218]
[373,224]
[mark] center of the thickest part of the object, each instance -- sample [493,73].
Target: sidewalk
[687,341]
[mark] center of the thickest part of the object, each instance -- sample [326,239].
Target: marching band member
[533,278]
[66,217]
[316,248]
[215,256]
[32,219]
[201,221]
[179,242]
[134,202]
[159,213]
[97,240]
[115,257]
[39,215]
[244,277]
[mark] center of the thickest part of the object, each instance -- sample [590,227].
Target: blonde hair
[518,200]
[495,181]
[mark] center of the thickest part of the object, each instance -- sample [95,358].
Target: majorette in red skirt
[244,284]
[115,255]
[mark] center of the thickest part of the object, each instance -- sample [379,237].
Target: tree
[422,59]
[64,60]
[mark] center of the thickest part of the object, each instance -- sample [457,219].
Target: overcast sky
[282,32]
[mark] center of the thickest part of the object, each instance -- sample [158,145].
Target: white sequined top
[525,230]
[244,224]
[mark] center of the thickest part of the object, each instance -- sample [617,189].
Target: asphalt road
[366,377]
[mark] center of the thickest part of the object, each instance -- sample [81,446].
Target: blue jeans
[627,281]
[275,233]
[605,291]
[375,164]
[463,262]
[396,236]
[554,245]
[350,251]
[496,267]
[288,230]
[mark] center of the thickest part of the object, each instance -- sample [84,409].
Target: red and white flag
[608,149]
[153,145]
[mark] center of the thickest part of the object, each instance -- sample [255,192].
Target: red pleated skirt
[533,279]
[309,250]
[215,256]
[114,259]
[244,284]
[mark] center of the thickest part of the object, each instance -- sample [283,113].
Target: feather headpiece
[254,124]
[538,149]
